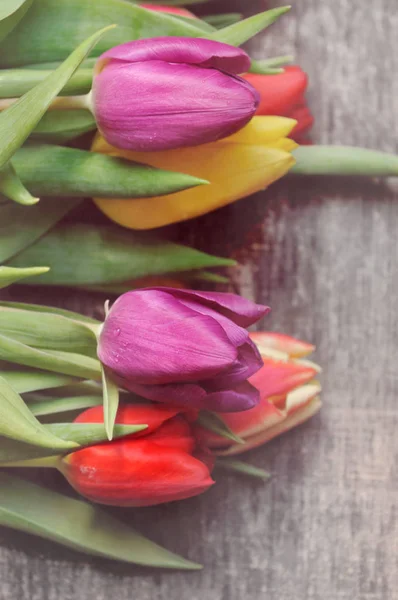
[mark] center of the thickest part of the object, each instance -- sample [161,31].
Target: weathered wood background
[323,254]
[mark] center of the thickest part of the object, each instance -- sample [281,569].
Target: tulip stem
[59,103]
[344,160]
[48,462]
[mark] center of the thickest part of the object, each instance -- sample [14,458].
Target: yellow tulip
[236,166]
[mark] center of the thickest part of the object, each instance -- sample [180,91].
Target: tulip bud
[160,464]
[289,395]
[284,95]
[185,347]
[163,93]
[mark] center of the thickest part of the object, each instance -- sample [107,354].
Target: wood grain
[324,255]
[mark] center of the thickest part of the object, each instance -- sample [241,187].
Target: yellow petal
[262,130]
[285,144]
[234,171]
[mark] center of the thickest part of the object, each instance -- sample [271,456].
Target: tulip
[284,95]
[237,166]
[170,92]
[160,464]
[183,347]
[173,10]
[289,395]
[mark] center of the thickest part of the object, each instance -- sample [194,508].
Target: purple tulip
[170,92]
[184,347]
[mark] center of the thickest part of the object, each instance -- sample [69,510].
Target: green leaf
[239,33]
[31,380]
[223,20]
[16,82]
[57,406]
[111,403]
[53,310]
[12,187]
[9,275]
[58,171]
[18,423]
[48,35]
[344,160]
[20,226]
[17,122]
[66,363]
[60,126]
[48,331]
[11,12]
[242,467]
[14,453]
[211,421]
[28,507]
[81,254]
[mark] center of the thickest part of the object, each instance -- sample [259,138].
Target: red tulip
[284,95]
[289,395]
[173,10]
[160,464]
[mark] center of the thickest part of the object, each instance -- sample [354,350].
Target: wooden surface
[323,254]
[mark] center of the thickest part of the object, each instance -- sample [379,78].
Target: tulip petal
[296,418]
[154,339]
[284,343]
[184,104]
[241,397]
[135,473]
[276,377]
[279,93]
[248,362]
[133,414]
[241,311]
[194,51]
[262,130]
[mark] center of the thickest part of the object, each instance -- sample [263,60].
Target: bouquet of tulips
[158,116]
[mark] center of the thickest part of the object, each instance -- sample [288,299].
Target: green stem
[48,462]
[344,160]
[59,103]
[16,82]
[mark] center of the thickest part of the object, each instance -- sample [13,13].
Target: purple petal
[159,106]
[152,338]
[241,311]
[248,362]
[192,51]
[240,397]
[243,396]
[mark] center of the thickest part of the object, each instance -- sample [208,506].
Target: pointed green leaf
[211,421]
[241,467]
[20,226]
[239,33]
[18,423]
[48,331]
[111,403]
[223,20]
[8,275]
[82,434]
[53,310]
[31,380]
[28,507]
[17,122]
[57,406]
[82,254]
[66,363]
[12,187]
[58,171]
[344,160]
[11,12]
